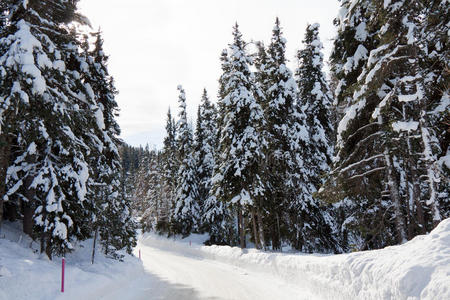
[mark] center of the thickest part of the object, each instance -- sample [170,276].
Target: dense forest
[290,158]
[59,158]
[358,159]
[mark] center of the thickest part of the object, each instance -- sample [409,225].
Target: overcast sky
[154,45]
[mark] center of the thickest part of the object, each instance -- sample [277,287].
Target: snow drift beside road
[418,269]
[30,276]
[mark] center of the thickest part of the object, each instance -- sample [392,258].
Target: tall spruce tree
[186,214]
[48,173]
[312,220]
[170,165]
[57,114]
[385,142]
[279,93]
[205,145]
[117,231]
[216,217]
[205,151]
[236,180]
[436,121]
[315,101]
[350,53]
[151,191]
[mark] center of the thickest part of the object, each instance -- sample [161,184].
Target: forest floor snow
[185,269]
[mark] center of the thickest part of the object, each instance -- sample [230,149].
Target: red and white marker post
[139,254]
[62,274]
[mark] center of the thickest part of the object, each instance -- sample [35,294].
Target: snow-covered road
[175,276]
[175,269]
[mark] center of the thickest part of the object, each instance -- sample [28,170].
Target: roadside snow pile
[24,274]
[418,269]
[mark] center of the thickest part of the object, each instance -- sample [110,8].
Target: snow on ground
[24,274]
[186,266]
[185,269]
[418,269]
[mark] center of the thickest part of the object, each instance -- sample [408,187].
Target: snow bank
[418,269]
[24,274]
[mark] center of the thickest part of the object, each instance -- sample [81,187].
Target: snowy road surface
[175,276]
[175,269]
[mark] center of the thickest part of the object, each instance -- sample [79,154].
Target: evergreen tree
[436,121]
[170,165]
[48,172]
[312,220]
[236,180]
[149,191]
[278,97]
[58,130]
[205,148]
[350,53]
[384,139]
[104,159]
[216,216]
[315,101]
[186,212]
[141,184]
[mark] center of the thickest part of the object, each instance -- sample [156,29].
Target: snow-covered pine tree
[434,42]
[409,107]
[350,53]
[170,149]
[170,165]
[279,93]
[186,214]
[355,39]
[205,148]
[316,101]
[385,141]
[141,183]
[216,216]
[150,191]
[224,77]
[40,81]
[104,160]
[311,219]
[236,178]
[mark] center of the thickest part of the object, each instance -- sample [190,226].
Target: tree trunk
[28,206]
[1,212]
[432,172]
[241,228]
[261,231]
[275,232]
[93,245]
[48,249]
[395,197]
[4,162]
[299,227]
[46,245]
[42,240]
[28,212]
[416,198]
[279,232]
[414,191]
[255,230]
